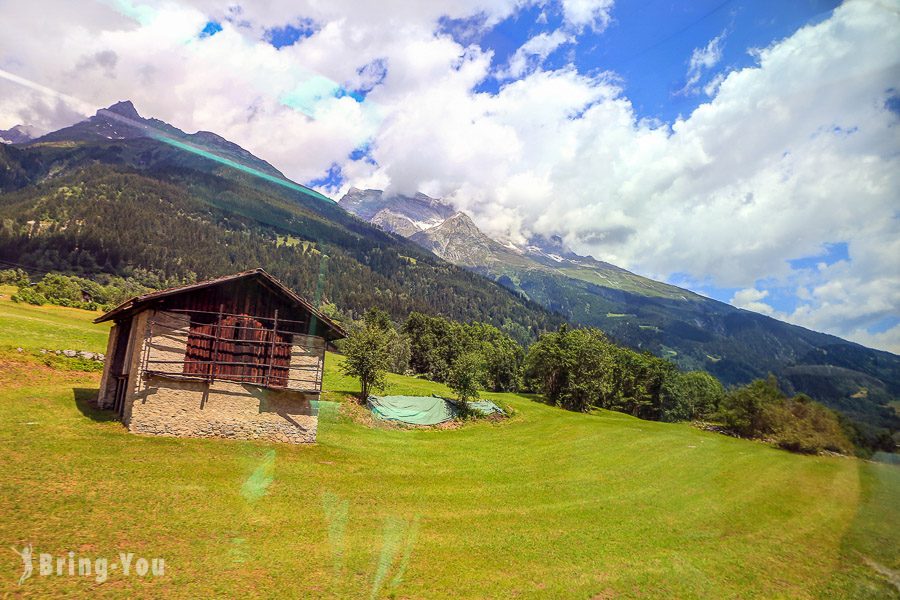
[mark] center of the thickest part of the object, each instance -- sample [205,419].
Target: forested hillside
[127,205]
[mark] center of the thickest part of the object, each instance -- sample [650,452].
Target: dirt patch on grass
[892,576]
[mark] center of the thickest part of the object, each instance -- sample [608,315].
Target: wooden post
[272,349]
[215,352]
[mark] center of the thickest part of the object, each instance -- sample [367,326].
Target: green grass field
[549,504]
[50,327]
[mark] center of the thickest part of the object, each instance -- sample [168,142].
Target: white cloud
[596,14]
[534,52]
[785,156]
[712,86]
[752,299]
[702,60]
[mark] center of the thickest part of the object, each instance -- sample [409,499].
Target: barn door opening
[118,370]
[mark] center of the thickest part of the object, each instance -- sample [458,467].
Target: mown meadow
[548,504]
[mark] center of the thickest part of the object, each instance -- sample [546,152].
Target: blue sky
[744,149]
[648,44]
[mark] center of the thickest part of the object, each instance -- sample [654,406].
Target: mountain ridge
[121,121]
[77,201]
[17,134]
[694,331]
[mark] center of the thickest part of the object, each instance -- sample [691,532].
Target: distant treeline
[581,370]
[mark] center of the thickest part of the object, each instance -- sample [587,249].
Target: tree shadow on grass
[86,401]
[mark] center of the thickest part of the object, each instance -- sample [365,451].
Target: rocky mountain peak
[422,210]
[391,222]
[18,134]
[123,108]
[121,121]
[460,222]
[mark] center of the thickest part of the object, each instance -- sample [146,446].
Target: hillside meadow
[549,504]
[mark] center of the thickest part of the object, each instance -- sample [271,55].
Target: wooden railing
[262,351]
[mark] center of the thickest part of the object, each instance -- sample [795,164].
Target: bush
[29,296]
[77,292]
[745,410]
[16,277]
[808,427]
[760,410]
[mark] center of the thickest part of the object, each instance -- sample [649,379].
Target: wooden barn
[237,357]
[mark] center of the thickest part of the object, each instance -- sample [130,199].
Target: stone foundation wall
[221,409]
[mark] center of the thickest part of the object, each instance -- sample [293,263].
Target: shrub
[78,292]
[745,409]
[29,296]
[465,374]
[803,425]
[16,277]
[760,410]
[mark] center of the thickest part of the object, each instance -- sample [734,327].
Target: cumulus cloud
[534,52]
[794,152]
[752,299]
[702,60]
[596,14]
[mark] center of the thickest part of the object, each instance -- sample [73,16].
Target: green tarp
[486,407]
[422,410]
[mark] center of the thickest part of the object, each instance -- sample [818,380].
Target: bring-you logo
[100,568]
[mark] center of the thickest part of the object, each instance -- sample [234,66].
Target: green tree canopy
[367,353]
[465,376]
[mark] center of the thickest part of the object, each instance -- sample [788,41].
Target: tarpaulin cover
[486,407]
[422,410]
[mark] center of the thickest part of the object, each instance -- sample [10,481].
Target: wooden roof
[138,303]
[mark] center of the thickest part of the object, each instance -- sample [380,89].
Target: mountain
[19,134]
[458,240]
[124,195]
[393,223]
[423,211]
[694,331]
[121,121]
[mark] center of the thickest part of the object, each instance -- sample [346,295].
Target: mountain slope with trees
[84,204]
[695,332]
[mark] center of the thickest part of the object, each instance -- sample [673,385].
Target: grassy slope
[48,327]
[626,281]
[549,504]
